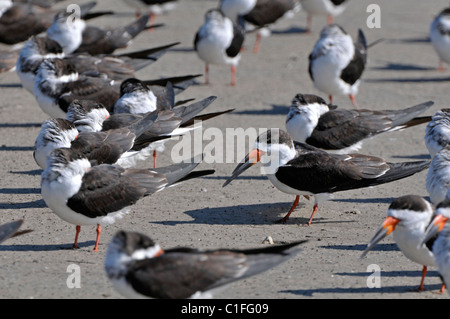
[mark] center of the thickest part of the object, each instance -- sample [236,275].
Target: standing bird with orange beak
[408,218]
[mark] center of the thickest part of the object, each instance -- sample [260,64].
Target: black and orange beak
[250,159]
[435,228]
[386,228]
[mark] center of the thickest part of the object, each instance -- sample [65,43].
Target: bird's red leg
[309,23]
[316,207]
[442,289]
[77,232]
[330,97]
[99,231]
[257,43]
[352,98]
[294,205]
[330,19]
[441,67]
[206,73]
[233,75]
[154,159]
[424,273]
[151,21]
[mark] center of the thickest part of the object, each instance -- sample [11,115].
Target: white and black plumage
[82,38]
[336,64]
[438,177]
[139,268]
[20,21]
[54,133]
[300,169]
[439,232]
[313,121]
[82,194]
[169,122]
[259,13]
[58,84]
[408,219]
[23,20]
[440,37]
[437,132]
[219,42]
[330,8]
[115,67]
[115,146]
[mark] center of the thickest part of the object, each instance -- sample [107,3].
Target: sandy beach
[401,72]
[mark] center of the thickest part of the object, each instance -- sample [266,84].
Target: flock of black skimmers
[103,121]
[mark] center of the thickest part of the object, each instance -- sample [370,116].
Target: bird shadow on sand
[16,148]
[11,85]
[366,290]
[252,214]
[421,80]
[290,30]
[276,110]
[390,66]
[19,125]
[49,247]
[22,191]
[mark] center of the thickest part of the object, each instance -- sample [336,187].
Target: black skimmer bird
[92,117]
[115,146]
[437,132]
[438,177]
[139,268]
[439,232]
[58,84]
[408,219]
[313,121]
[259,13]
[82,194]
[22,21]
[301,169]
[82,38]
[336,63]
[115,67]
[440,37]
[219,41]
[330,8]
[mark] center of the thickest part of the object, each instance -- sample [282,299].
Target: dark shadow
[50,247]
[16,148]
[33,172]
[290,30]
[276,110]
[19,125]
[40,203]
[378,200]
[182,50]
[20,190]
[409,80]
[425,39]
[361,290]
[254,214]
[250,178]
[11,85]
[403,67]
[362,247]
[415,157]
